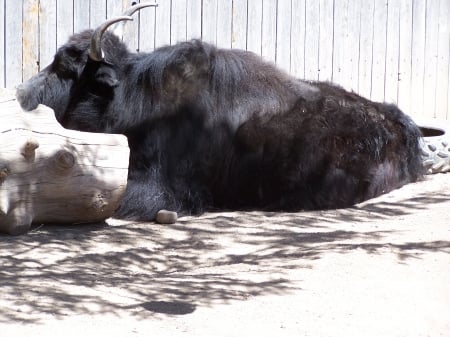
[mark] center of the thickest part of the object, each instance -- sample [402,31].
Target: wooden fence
[387,50]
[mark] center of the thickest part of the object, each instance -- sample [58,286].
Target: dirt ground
[381,268]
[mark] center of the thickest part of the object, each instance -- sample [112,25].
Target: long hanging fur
[211,128]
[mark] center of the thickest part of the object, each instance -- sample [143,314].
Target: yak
[216,129]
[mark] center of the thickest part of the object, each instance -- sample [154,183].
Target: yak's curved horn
[118,30]
[133,9]
[95,49]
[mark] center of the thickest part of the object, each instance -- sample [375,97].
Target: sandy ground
[381,268]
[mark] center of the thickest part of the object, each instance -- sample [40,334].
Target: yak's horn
[129,12]
[95,49]
[133,9]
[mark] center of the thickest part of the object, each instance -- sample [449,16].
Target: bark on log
[52,175]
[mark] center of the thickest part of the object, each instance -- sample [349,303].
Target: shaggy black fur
[221,129]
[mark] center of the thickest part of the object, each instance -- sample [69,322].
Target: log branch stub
[62,162]
[3,174]
[28,149]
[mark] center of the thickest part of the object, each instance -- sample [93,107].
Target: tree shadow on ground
[147,269]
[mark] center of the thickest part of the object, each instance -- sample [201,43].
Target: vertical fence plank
[224,28]
[113,8]
[64,21]
[448,95]
[392,52]
[2,44]
[418,54]
[30,39]
[269,30]
[209,21]
[431,53]
[254,29]
[312,40]
[239,24]
[443,62]
[97,12]
[298,32]
[130,28]
[346,49]
[365,49]
[147,29]
[13,43]
[379,50]
[194,19]
[163,15]
[326,24]
[47,31]
[404,62]
[179,24]
[80,15]
[283,51]
[351,50]
[340,31]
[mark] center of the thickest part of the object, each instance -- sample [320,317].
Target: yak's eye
[72,53]
[66,63]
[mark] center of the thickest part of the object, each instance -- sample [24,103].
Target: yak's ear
[106,75]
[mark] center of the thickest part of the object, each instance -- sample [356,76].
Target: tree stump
[52,175]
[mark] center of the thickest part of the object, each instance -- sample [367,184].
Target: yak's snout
[28,93]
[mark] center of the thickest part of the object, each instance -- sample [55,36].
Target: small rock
[166,217]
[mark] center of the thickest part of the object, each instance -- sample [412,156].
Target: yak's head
[87,65]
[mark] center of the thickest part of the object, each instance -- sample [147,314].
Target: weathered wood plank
[443,62]
[80,15]
[404,63]
[340,32]
[326,23]
[298,31]
[64,21]
[418,57]
[239,24]
[379,50]
[13,43]
[269,30]
[194,19]
[162,23]
[254,29]
[224,24]
[113,8]
[431,54]
[2,44]
[312,39]
[283,51]
[147,28]
[179,21]
[47,31]
[392,52]
[30,39]
[365,49]
[97,12]
[131,28]
[351,50]
[346,46]
[209,21]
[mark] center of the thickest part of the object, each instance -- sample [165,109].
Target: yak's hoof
[166,217]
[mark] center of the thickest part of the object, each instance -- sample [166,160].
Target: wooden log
[52,175]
